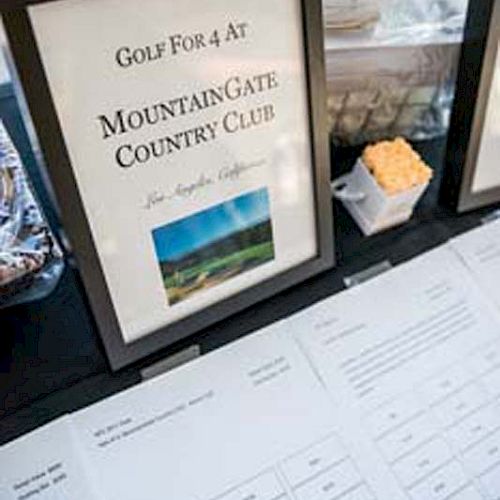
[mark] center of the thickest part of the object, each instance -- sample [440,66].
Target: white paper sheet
[248,422]
[480,251]
[44,465]
[412,359]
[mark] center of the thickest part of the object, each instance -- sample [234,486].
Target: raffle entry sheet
[45,465]
[248,422]
[356,398]
[420,375]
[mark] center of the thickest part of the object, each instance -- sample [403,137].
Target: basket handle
[340,190]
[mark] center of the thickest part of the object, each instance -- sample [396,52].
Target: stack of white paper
[387,391]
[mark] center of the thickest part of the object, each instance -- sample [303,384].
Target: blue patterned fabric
[26,242]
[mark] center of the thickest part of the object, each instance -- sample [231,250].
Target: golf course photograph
[214,245]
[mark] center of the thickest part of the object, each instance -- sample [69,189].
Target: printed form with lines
[413,358]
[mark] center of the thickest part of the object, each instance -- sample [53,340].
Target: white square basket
[369,205]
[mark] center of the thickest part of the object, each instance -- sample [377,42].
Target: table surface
[52,360]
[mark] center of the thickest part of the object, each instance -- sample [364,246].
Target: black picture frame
[43,112]
[475,78]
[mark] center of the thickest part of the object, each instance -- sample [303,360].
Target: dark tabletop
[51,358]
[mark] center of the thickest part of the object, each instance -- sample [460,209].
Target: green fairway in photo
[215,245]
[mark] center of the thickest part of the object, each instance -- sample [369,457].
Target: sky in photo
[180,238]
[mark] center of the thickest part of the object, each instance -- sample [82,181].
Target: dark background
[51,358]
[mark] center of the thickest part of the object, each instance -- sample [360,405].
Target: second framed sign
[188,151]
[472,176]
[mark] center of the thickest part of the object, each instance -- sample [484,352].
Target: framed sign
[472,175]
[188,148]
